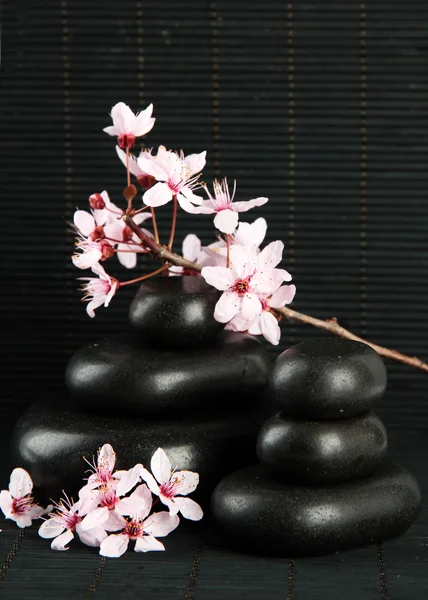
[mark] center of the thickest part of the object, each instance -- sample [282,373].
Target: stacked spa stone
[177,381]
[323,484]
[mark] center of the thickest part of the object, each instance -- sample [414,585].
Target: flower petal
[191,247]
[219,277]
[271,256]
[196,162]
[132,162]
[128,258]
[115,522]
[161,466]
[84,222]
[251,234]
[123,117]
[96,517]
[114,545]
[86,259]
[20,483]
[189,509]
[158,195]
[251,307]
[93,537]
[51,528]
[254,327]
[148,544]
[128,480]
[6,503]
[227,307]
[244,206]
[150,167]
[238,323]
[226,220]
[23,520]
[284,295]
[138,504]
[243,261]
[270,328]
[60,542]
[107,458]
[150,480]
[161,524]
[268,281]
[185,482]
[143,122]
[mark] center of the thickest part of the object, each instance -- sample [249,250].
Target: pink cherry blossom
[247,234]
[105,507]
[266,323]
[127,126]
[176,176]
[102,471]
[64,522]
[250,277]
[223,206]
[144,179]
[129,245]
[142,528]
[98,291]
[17,503]
[92,252]
[169,485]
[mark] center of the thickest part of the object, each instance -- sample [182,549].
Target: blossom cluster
[249,277]
[114,507]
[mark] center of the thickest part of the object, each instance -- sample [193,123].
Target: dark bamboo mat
[322,106]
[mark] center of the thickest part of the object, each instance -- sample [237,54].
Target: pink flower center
[126,140]
[242,286]
[168,489]
[104,473]
[97,234]
[21,505]
[109,499]
[134,529]
[107,250]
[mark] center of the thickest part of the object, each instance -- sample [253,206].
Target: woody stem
[330,325]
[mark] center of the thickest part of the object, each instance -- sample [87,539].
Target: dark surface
[50,443]
[313,452]
[262,515]
[175,311]
[319,106]
[330,378]
[125,378]
[199,563]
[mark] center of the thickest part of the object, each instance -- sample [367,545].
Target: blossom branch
[330,325]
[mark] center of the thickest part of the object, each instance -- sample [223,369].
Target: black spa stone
[50,442]
[299,451]
[175,311]
[113,377]
[261,515]
[328,379]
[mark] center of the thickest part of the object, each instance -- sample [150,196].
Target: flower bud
[96,201]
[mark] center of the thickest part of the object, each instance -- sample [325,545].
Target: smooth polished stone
[315,452]
[121,378]
[175,311]
[262,515]
[50,442]
[328,378]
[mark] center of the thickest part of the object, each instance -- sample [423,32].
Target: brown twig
[330,325]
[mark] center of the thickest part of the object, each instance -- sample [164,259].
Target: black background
[321,106]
